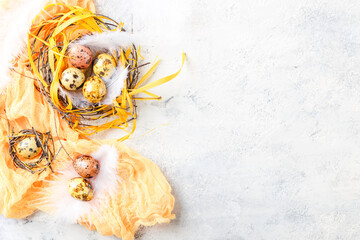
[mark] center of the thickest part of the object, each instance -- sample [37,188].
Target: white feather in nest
[68,209]
[114,85]
[106,41]
[15,21]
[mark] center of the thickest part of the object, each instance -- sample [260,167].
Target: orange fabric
[145,195]
[25,107]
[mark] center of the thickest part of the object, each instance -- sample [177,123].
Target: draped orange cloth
[144,197]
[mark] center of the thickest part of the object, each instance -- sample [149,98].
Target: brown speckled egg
[72,78]
[86,166]
[80,56]
[104,65]
[81,189]
[28,148]
[94,89]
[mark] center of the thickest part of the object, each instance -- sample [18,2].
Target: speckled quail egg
[86,166]
[28,148]
[94,89]
[81,189]
[72,79]
[80,56]
[104,65]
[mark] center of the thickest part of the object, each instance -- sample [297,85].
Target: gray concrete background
[263,124]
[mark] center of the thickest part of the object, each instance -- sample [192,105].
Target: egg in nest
[28,148]
[72,79]
[80,56]
[104,65]
[94,89]
[81,189]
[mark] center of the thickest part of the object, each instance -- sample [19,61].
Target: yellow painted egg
[80,56]
[28,148]
[72,78]
[86,166]
[81,189]
[104,65]
[94,89]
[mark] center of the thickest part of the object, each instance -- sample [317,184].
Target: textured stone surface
[263,123]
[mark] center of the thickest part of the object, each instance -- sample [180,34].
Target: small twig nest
[48,66]
[39,163]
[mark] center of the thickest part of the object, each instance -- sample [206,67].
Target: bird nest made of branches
[48,44]
[39,163]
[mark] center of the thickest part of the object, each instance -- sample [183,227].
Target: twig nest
[28,148]
[72,79]
[94,89]
[104,65]
[81,189]
[80,56]
[86,166]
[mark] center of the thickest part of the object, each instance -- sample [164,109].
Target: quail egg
[72,79]
[86,166]
[94,89]
[81,189]
[104,65]
[80,56]
[28,148]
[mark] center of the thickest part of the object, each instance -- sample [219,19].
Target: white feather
[107,181]
[108,41]
[114,85]
[69,210]
[15,22]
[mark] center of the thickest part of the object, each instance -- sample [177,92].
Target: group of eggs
[87,167]
[72,78]
[93,89]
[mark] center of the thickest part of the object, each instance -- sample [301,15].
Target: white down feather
[15,21]
[70,210]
